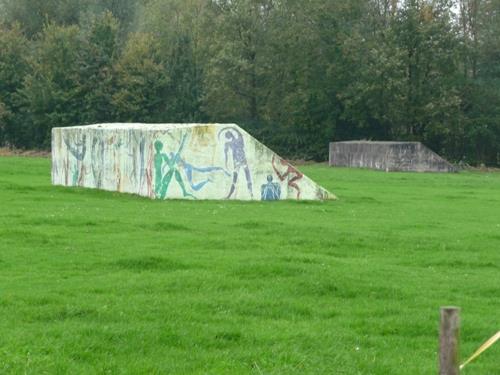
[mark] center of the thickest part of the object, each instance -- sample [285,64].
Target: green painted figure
[163,181]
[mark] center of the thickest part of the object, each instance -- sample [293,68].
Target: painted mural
[236,146]
[176,161]
[270,191]
[288,174]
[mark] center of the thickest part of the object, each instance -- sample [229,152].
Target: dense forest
[295,73]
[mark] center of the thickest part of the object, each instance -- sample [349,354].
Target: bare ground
[5,151]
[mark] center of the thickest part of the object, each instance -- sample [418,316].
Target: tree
[14,52]
[425,32]
[177,25]
[297,74]
[235,73]
[52,93]
[480,22]
[141,83]
[98,58]
[311,70]
[33,14]
[4,118]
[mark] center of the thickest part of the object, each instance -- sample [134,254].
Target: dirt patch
[5,151]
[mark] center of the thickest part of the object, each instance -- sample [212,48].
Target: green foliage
[33,14]
[99,56]
[141,81]
[425,34]
[481,93]
[4,118]
[100,282]
[123,10]
[295,74]
[178,26]
[235,72]
[53,89]
[14,51]
[70,79]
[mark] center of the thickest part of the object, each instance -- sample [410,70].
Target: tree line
[295,73]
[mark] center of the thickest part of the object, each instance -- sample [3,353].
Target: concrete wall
[388,156]
[191,161]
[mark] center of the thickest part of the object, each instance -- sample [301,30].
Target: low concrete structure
[388,156]
[190,161]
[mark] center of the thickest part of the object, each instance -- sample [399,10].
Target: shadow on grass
[162,226]
[149,263]
[66,313]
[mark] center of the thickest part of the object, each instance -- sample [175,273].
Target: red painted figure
[290,171]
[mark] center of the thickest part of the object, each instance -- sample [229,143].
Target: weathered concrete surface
[388,156]
[191,161]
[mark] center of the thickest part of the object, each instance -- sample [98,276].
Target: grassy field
[98,282]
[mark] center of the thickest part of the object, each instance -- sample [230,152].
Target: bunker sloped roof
[141,126]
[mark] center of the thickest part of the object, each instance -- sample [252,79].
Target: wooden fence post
[448,341]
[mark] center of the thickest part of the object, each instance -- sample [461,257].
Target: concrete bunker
[185,161]
[388,156]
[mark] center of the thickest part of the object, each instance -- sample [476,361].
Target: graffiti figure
[189,169]
[163,181]
[142,171]
[97,160]
[235,144]
[149,172]
[292,173]
[270,191]
[78,151]
[79,154]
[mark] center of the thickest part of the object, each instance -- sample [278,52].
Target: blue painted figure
[236,145]
[270,191]
[189,168]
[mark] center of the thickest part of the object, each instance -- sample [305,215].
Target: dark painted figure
[97,160]
[291,173]
[270,191]
[78,151]
[235,144]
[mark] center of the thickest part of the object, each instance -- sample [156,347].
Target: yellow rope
[481,349]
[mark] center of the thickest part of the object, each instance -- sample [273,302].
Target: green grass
[98,282]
